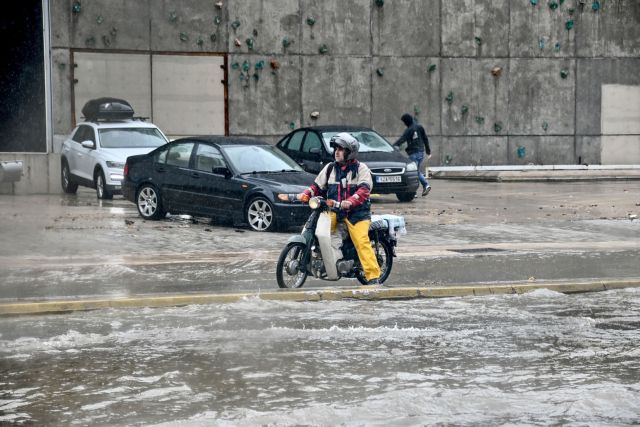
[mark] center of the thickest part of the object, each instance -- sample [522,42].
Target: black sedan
[393,172]
[238,179]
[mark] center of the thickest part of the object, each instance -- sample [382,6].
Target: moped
[311,252]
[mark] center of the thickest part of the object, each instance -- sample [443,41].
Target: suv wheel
[68,186]
[101,186]
[149,202]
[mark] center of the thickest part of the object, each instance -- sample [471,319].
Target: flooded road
[537,359]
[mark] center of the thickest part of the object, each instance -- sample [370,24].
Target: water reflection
[539,358]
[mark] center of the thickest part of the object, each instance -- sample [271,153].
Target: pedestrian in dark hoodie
[417,143]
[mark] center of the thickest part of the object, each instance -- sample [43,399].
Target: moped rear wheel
[384,255]
[289,271]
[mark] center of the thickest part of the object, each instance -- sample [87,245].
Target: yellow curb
[320,294]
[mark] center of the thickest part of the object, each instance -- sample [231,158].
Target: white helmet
[346,141]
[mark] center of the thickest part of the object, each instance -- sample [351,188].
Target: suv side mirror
[89,144]
[222,171]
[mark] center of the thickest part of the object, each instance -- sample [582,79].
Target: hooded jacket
[415,136]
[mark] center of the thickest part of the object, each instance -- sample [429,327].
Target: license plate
[396,178]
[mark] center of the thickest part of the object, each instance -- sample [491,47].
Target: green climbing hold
[557,47]
[90,41]
[478,40]
[553,5]
[380,72]
[545,126]
[235,24]
[286,42]
[564,73]
[447,159]
[213,37]
[200,41]
[256,76]
[520,152]
[541,43]
[310,21]
[379,3]
[569,24]
[595,6]
[561,2]
[432,68]
[323,49]
[246,66]
[416,110]
[534,2]
[184,37]
[217,20]
[235,66]
[99,19]
[449,97]
[249,42]
[259,65]
[480,120]
[464,109]
[292,125]
[77,7]
[497,127]
[173,16]
[571,10]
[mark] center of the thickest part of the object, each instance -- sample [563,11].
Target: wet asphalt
[483,233]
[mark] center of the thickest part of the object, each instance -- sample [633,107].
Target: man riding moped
[349,183]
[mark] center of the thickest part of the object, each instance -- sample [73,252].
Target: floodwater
[536,359]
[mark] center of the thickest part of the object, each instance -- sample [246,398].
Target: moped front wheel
[384,255]
[290,273]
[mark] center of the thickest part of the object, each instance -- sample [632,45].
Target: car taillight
[126,169]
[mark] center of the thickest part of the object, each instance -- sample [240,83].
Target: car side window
[180,154]
[161,156]
[84,133]
[295,142]
[208,157]
[311,141]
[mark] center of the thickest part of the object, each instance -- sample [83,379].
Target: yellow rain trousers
[359,234]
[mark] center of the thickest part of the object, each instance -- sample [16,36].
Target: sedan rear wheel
[149,202]
[260,215]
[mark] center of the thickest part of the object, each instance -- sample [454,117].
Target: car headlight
[283,197]
[412,167]
[115,165]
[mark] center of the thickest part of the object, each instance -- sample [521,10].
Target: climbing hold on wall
[553,5]
[478,40]
[323,49]
[292,125]
[464,109]
[557,47]
[235,24]
[274,64]
[447,159]
[379,3]
[235,66]
[416,110]
[217,20]
[219,5]
[545,126]
[496,71]
[595,6]
[106,40]
[286,42]
[449,97]
[76,7]
[564,73]
[534,2]
[310,21]
[432,68]
[315,114]
[256,76]
[200,41]
[237,42]
[113,31]
[90,41]
[99,19]
[541,43]
[569,24]
[520,151]
[249,43]
[570,11]
[173,16]
[184,37]
[497,127]
[480,120]
[380,72]
[245,66]
[259,65]
[213,37]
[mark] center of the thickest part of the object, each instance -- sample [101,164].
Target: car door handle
[160,170]
[195,175]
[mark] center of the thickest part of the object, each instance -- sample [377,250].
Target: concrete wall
[542,103]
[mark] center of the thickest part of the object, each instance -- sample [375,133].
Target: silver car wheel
[260,214]
[147,202]
[100,186]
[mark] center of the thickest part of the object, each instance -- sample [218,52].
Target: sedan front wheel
[149,202]
[260,215]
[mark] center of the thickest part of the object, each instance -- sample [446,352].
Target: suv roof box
[107,109]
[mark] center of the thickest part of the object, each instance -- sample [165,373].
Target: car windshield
[131,138]
[369,141]
[259,158]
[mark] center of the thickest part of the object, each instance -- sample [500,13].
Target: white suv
[96,151]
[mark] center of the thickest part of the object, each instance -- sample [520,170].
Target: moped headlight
[314,203]
[411,167]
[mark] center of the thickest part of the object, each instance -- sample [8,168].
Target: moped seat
[379,224]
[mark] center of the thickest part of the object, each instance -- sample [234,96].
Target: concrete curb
[323,294]
[514,173]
